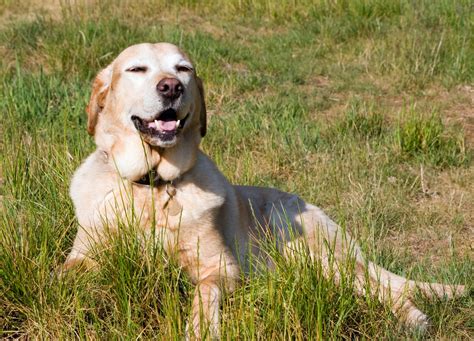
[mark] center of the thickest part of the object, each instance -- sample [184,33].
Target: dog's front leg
[205,309]
[211,272]
[79,255]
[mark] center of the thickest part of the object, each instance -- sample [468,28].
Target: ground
[364,108]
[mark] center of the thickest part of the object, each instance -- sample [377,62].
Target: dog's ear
[203,113]
[100,89]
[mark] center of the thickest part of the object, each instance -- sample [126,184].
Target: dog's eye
[184,68]
[137,69]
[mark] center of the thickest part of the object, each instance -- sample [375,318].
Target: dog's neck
[133,159]
[179,159]
[172,165]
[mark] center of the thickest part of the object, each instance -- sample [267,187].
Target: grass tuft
[362,121]
[427,139]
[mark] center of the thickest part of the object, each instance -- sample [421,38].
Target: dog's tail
[431,290]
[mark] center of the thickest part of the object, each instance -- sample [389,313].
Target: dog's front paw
[194,332]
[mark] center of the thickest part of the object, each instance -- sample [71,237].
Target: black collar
[152,179]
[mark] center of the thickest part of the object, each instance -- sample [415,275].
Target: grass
[361,107]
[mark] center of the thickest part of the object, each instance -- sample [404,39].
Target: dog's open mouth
[164,126]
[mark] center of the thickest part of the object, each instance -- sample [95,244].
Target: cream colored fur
[219,222]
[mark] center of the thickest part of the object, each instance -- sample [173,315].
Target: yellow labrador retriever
[147,115]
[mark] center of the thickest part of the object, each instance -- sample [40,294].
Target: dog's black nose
[170,88]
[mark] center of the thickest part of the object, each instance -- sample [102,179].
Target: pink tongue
[167,125]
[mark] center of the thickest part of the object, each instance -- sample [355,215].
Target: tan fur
[219,222]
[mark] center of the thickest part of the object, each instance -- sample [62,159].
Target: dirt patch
[446,197]
[457,106]
[29,10]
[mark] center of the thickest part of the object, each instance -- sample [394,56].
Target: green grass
[357,106]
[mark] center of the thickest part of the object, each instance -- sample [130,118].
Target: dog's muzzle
[164,126]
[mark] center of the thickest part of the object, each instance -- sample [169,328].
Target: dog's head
[149,90]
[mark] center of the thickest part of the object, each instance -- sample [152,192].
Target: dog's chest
[185,204]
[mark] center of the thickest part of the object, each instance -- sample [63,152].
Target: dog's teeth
[177,123]
[156,124]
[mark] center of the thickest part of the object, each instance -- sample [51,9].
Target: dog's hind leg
[334,248]
[394,291]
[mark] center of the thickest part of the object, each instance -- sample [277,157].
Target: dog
[147,115]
